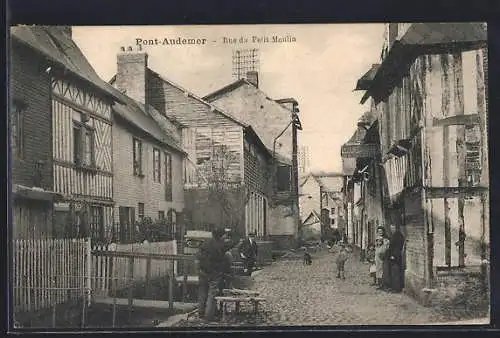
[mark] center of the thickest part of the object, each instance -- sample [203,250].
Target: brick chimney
[131,73]
[253,78]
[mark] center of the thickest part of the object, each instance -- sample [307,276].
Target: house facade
[430,98]
[80,134]
[226,168]
[30,125]
[276,122]
[322,194]
[148,171]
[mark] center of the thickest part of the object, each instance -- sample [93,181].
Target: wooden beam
[457,120]
[454,192]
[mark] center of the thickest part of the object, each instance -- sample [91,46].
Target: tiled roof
[135,113]
[53,43]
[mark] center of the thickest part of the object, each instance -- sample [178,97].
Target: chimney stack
[253,78]
[131,73]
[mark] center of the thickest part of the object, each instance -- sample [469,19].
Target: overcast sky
[319,69]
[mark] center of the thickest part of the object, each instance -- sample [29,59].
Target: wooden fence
[105,268]
[47,272]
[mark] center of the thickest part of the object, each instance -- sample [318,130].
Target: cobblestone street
[297,294]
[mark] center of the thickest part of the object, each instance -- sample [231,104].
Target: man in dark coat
[248,252]
[214,267]
[395,254]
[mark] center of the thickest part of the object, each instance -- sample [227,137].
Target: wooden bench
[222,301]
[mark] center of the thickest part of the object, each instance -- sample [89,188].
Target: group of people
[215,268]
[386,258]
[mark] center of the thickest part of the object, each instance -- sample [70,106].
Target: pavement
[298,294]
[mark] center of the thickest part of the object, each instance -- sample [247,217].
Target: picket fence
[48,272]
[106,269]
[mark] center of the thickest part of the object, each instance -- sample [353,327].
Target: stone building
[276,122]
[226,170]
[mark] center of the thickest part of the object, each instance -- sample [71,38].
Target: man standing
[248,252]
[396,259]
[213,267]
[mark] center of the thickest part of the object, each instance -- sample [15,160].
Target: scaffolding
[245,60]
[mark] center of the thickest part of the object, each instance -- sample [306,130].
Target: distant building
[303,160]
[322,194]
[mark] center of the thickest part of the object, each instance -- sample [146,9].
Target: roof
[287,100]
[365,81]
[226,89]
[135,113]
[421,39]
[331,183]
[312,215]
[236,84]
[54,44]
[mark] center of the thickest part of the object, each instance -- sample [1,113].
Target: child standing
[341,259]
[370,257]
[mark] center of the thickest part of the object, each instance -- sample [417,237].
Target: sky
[318,66]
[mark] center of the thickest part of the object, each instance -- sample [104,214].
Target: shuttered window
[284,177]
[168,177]
[137,150]
[156,165]
[83,145]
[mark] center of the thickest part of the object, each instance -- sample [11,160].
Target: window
[156,165]
[333,221]
[140,208]
[137,153]
[473,155]
[161,214]
[332,211]
[83,145]
[127,219]
[168,177]
[17,129]
[284,178]
[97,222]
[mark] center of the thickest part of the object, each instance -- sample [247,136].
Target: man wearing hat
[248,252]
[214,266]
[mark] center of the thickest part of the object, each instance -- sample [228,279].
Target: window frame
[156,165]
[137,157]
[79,157]
[140,210]
[17,124]
[288,188]
[168,177]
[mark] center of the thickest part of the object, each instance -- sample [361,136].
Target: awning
[35,193]
[365,81]
[421,39]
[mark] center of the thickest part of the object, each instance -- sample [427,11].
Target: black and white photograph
[202,176]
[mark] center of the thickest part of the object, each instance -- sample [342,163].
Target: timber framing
[454,192]
[467,120]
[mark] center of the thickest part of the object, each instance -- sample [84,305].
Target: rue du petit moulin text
[224,40]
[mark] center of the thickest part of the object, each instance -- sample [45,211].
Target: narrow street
[297,294]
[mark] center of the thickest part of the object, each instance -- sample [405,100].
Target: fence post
[148,277]
[171,286]
[130,286]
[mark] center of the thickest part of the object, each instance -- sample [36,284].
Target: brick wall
[30,85]
[129,190]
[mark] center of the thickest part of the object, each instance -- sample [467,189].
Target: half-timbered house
[81,134]
[225,172]
[431,101]
[30,128]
